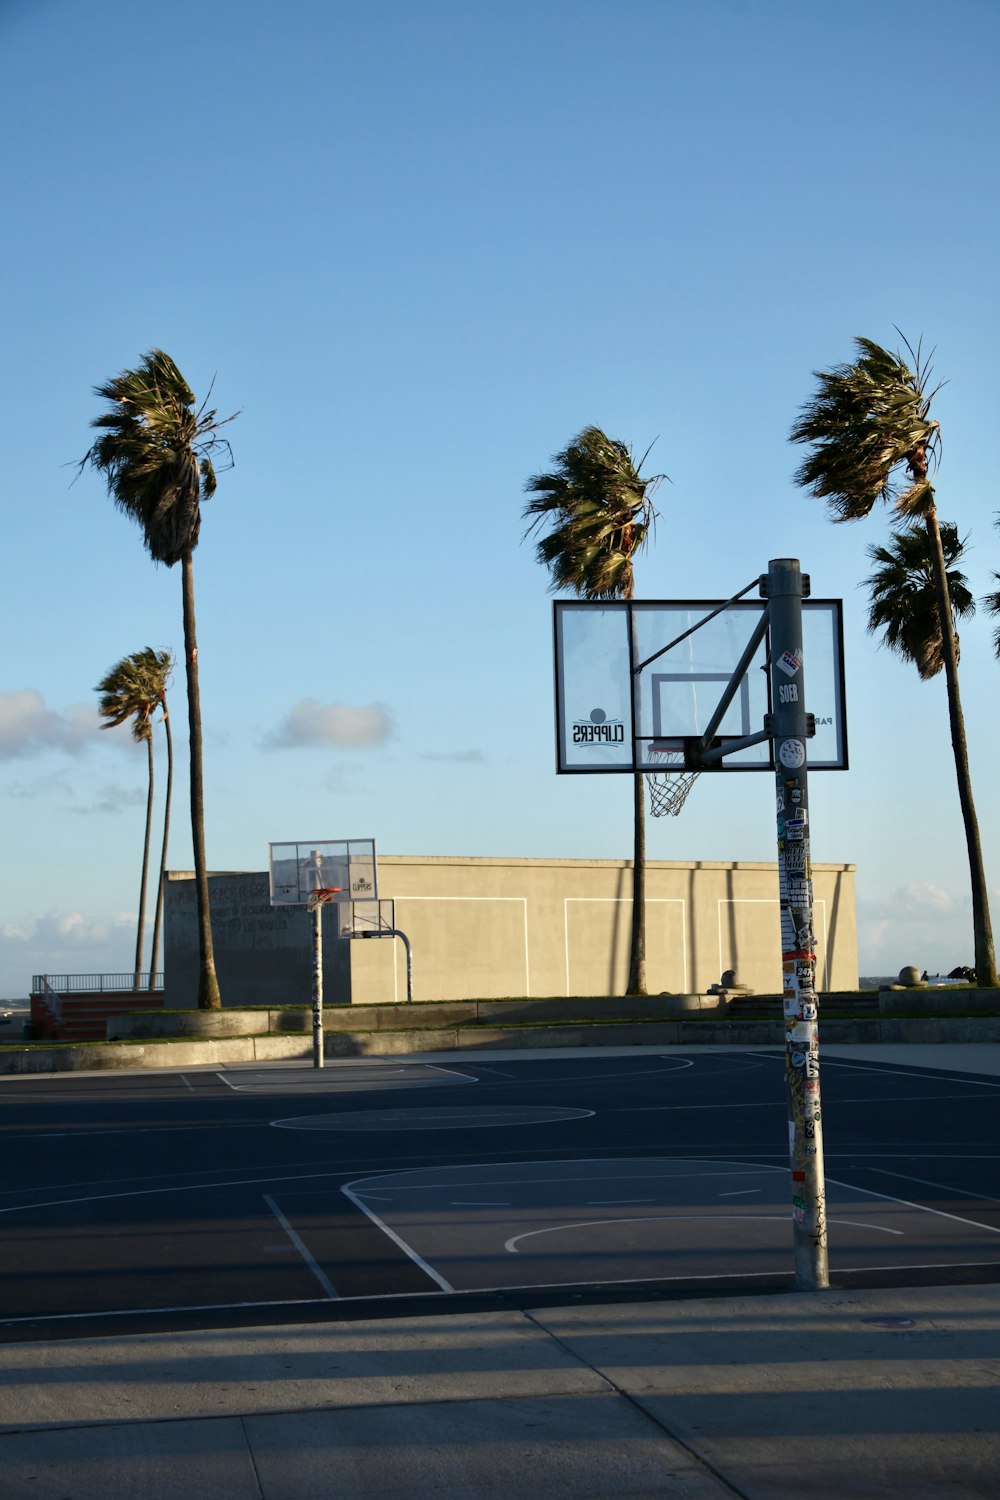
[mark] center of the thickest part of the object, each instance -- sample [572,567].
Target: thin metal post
[798,942]
[395,932]
[318,985]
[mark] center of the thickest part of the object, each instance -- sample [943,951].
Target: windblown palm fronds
[600,515]
[903,592]
[871,433]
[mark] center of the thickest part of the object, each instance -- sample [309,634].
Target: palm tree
[599,513]
[992,602]
[133,689]
[873,439]
[164,668]
[155,454]
[903,592]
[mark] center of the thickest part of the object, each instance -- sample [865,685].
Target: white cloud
[113,798]
[65,931]
[310,723]
[917,899]
[27,726]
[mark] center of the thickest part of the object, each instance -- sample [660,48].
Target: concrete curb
[224,1051]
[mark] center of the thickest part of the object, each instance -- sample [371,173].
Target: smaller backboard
[637,678]
[344,867]
[366,919]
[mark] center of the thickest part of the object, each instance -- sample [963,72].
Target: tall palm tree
[992,603]
[599,512]
[155,454]
[903,593]
[164,668]
[133,689]
[873,439]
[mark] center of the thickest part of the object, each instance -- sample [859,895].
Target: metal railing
[76,984]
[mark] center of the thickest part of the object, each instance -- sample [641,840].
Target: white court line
[743,1168]
[188,1187]
[826,1061]
[920,1207]
[927,1182]
[707,1218]
[629,1109]
[302,1248]
[739,1193]
[418,1260]
[187,1082]
[474,1291]
[355,1075]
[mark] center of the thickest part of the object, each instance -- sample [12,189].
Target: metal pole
[784,587]
[318,985]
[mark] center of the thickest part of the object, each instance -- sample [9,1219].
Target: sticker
[780,803]
[798,1059]
[795,828]
[796,858]
[790,662]
[792,754]
[810,1012]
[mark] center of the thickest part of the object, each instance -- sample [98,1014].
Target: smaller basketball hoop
[669,783]
[323,895]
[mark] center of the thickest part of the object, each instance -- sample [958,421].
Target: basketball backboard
[345,867]
[620,693]
[365,919]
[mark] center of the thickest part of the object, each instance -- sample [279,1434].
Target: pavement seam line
[253,1462]
[637,1406]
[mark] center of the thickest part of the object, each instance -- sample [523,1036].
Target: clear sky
[419,244]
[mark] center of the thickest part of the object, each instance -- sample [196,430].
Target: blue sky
[419,246]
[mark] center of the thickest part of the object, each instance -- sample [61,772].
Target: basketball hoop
[323,895]
[669,784]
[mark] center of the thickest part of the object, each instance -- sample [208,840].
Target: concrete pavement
[772,1398]
[872,1392]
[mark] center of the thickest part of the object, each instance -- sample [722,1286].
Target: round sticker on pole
[792,754]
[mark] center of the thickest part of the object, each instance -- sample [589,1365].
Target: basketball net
[669,784]
[321,897]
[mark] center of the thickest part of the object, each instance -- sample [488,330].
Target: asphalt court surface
[216,1194]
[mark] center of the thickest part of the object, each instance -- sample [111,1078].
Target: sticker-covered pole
[784,588]
[317,917]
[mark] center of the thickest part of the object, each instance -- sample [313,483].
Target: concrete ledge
[225,1051]
[394,1016]
[964,1000]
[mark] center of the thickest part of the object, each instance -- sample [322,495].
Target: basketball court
[279,1192]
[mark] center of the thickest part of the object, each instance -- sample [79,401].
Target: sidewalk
[774,1398]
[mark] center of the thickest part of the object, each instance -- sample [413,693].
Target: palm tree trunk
[209,997]
[158,919]
[141,924]
[637,956]
[986,968]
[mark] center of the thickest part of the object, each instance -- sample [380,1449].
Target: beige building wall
[487,928]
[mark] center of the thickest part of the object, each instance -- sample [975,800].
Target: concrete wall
[488,928]
[263,954]
[494,927]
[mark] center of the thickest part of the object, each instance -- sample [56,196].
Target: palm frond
[133,689]
[871,435]
[155,453]
[599,511]
[903,597]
